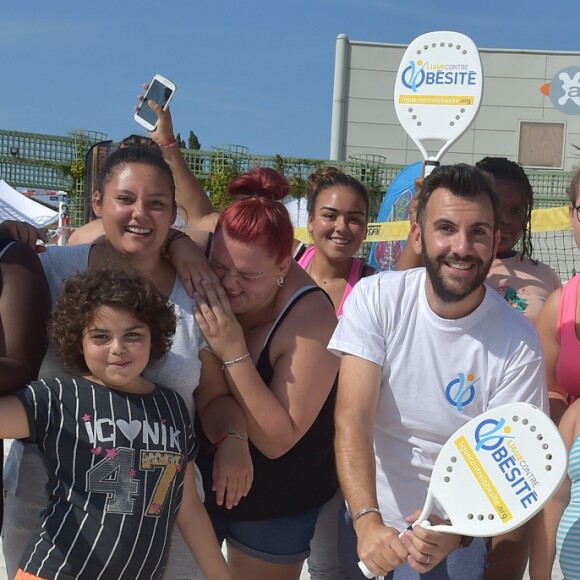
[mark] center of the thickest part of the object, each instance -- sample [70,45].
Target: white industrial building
[530,109]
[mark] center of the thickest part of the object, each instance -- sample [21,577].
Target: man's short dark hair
[462,180]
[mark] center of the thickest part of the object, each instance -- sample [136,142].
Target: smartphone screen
[157,92]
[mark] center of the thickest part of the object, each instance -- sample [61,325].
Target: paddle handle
[429,165]
[368,573]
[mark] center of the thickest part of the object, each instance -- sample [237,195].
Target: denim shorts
[283,540]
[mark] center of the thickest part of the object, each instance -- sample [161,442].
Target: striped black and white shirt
[115,463]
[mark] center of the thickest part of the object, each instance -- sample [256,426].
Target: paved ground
[557,575]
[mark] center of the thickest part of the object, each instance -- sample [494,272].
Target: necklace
[264,321]
[309,270]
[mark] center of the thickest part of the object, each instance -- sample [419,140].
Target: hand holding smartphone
[161,91]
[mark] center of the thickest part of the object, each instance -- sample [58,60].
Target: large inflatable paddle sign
[438,91]
[495,473]
[437,96]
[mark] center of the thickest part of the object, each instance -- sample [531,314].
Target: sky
[257,73]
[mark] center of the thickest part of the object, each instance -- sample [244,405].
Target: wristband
[229,363]
[364,512]
[167,142]
[174,235]
[231,432]
[465,541]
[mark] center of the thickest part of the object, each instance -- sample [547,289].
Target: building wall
[365,122]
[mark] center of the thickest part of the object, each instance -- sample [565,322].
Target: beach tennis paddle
[438,91]
[495,472]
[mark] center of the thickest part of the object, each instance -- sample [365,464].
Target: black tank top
[302,479]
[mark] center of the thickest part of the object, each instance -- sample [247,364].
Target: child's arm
[13,418]
[197,530]
[545,524]
[233,471]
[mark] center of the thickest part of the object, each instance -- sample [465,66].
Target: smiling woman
[136,200]
[338,206]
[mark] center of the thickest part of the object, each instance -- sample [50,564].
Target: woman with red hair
[269,325]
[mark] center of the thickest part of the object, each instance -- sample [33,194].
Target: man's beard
[443,290]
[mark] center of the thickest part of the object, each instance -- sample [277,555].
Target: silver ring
[428,559]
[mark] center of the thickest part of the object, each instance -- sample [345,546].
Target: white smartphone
[161,90]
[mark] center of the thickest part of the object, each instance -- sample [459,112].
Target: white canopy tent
[298,212]
[15,206]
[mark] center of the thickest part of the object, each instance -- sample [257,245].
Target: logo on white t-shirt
[460,392]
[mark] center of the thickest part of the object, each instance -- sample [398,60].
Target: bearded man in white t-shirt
[423,352]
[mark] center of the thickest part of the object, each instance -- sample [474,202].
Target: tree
[180,141]
[193,141]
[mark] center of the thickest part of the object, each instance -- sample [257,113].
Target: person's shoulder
[396,278]
[20,253]
[314,298]
[53,385]
[62,261]
[87,233]
[170,395]
[513,332]
[66,254]
[309,307]
[541,270]
[389,290]
[180,298]
[500,309]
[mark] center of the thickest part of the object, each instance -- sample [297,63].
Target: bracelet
[231,432]
[229,363]
[174,235]
[168,142]
[364,512]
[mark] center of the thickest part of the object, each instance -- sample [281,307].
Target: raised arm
[197,209]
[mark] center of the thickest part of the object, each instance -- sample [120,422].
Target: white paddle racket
[438,91]
[496,472]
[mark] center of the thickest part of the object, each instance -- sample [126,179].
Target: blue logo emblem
[461,391]
[414,75]
[490,434]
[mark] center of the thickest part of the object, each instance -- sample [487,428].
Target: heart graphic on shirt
[130,430]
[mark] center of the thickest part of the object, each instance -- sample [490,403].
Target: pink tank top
[353,278]
[568,366]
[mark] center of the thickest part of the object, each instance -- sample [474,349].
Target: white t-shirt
[436,375]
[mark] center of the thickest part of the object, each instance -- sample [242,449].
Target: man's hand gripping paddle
[496,472]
